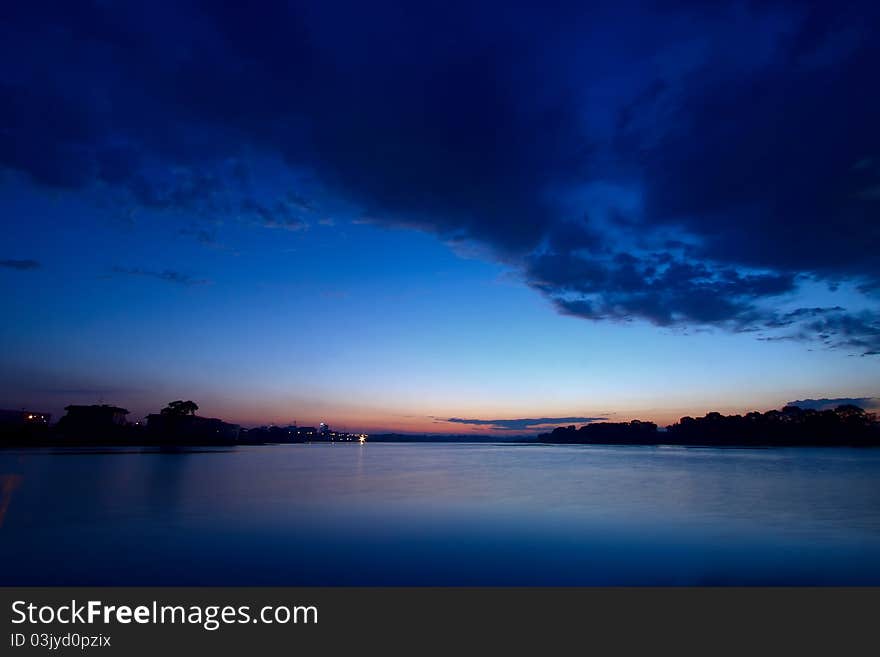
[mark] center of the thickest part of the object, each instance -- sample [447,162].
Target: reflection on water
[441,514]
[8,483]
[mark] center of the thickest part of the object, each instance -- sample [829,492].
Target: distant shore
[178,426]
[661,441]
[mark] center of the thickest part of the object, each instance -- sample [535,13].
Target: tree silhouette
[846,425]
[852,414]
[180,408]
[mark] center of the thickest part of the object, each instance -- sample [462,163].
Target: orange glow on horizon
[374,421]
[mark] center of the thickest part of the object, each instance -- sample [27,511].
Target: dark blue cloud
[772,163]
[282,214]
[826,403]
[525,424]
[167,275]
[665,290]
[21,265]
[739,140]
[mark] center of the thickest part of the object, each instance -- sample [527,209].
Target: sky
[441,217]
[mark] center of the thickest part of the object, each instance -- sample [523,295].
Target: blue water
[441,514]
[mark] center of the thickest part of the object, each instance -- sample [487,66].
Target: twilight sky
[444,217]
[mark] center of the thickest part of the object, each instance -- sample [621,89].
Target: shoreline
[214,446]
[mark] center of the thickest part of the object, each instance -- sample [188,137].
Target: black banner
[232,621]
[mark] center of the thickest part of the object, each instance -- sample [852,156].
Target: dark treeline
[178,425]
[105,425]
[846,425]
[606,433]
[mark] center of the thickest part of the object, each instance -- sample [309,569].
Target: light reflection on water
[441,514]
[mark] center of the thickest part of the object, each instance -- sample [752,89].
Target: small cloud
[300,202]
[167,275]
[830,403]
[280,215]
[870,193]
[524,424]
[21,265]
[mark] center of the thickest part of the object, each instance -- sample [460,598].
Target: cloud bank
[21,265]
[826,403]
[668,162]
[524,424]
[166,275]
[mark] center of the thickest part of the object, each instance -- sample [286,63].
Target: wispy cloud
[167,275]
[21,265]
[523,424]
[280,215]
[827,403]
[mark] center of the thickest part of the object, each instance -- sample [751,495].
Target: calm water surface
[441,514]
